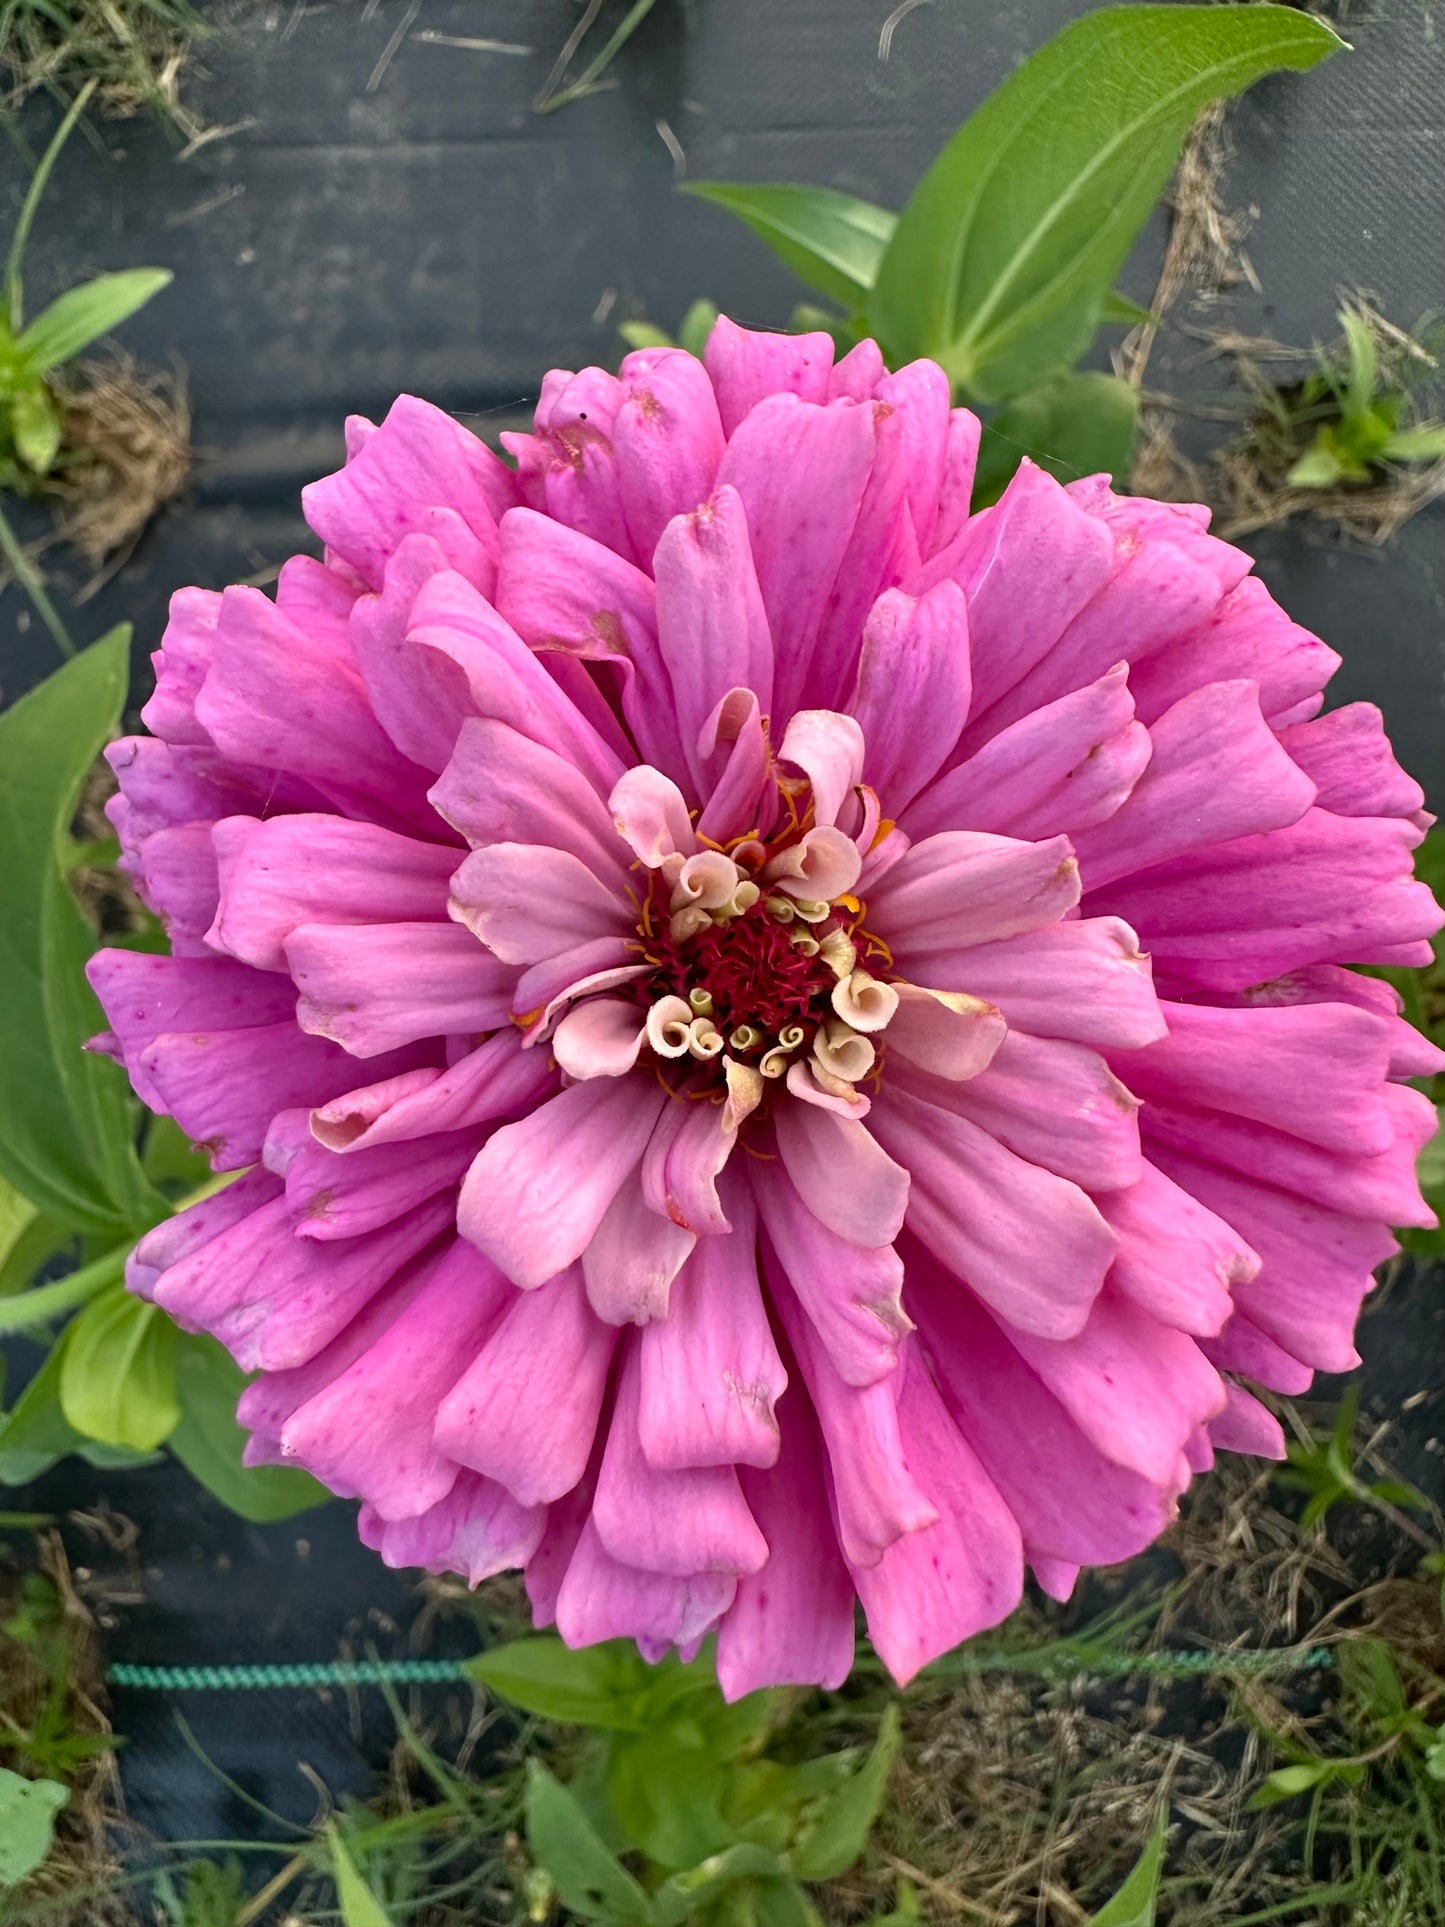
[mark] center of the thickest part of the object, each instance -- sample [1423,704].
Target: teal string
[432,1672]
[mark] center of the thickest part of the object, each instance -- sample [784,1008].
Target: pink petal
[342,1198]
[176,877]
[534,1437]
[478,1530]
[710,1374]
[526,902]
[962,887]
[933,1589]
[599,1038]
[1060,768]
[1176,1260]
[1245,1426]
[676,1522]
[650,813]
[496,1080]
[181,662]
[602,1599]
[851,1293]
[1348,758]
[373,987]
[1217,772]
[418,473]
[541,1187]
[1248,635]
[955,493]
[1032,1245]
[828,748]
[944,1032]
[633,1259]
[1111,997]
[319,869]
[842,1174]
[876,1497]
[668,441]
[682,1163]
[746,366]
[792,1623]
[1058,1105]
[501,787]
[737,765]
[369,1433]
[913,689]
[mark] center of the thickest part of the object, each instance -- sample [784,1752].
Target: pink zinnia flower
[793,1041]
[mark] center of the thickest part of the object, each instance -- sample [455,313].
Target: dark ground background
[372,225]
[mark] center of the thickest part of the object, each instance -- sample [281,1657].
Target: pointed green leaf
[359,1905]
[1136,1900]
[601,1685]
[27,1823]
[1319,466]
[82,315]
[839,1832]
[1415,445]
[564,1843]
[209,1442]
[67,1118]
[1122,308]
[642,334]
[35,427]
[1003,257]
[697,324]
[832,241]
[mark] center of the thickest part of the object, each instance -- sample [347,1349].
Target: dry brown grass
[125,453]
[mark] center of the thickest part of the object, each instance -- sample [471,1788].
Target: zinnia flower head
[791,1041]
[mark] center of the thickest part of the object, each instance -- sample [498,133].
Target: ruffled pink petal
[842,1174]
[180,663]
[852,1294]
[478,1529]
[1248,635]
[962,887]
[1060,768]
[498,1079]
[675,1521]
[828,747]
[945,1032]
[1217,772]
[374,987]
[526,902]
[175,875]
[335,1196]
[599,1038]
[1058,1105]
[792,1623]
[421,473]
[318,869]
[600,1598]
[934,1588]
[913,689]
[1110,996]
[501,787]
[1348,758]
[1032,1245]
[493,1419]
[541,1187]
[368,1435]
[709,1373]
[746,366]
[682,1163]
[668,441]
[737,766]
[634,1256]
[1177,1260]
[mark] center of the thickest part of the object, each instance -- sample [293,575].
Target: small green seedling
[1359,411]
[1324,1468]
[31,355]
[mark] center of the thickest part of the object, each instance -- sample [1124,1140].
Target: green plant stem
[44,1302]
[548,103]
[28,576]
[26,218]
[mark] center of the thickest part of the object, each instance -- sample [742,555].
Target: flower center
[754,957]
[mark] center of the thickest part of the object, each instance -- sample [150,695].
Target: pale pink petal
[963,887]
[540,1188]
[501,787]
[634,1256]
[478,1530]
[945,1032]
[649,812]
[828,748]
[374,987]
[527,902]
[1110,998]
[843,1175]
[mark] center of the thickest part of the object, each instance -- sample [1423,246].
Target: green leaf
[35,1432]
[1358,387]
[1288,1782]
[1134,1904]
[209,1443]
[680,1897]
[118,1380]
[832,241]
[667,1798]
[66,1116]
[839,1833]
[600,1686]
[564,1843]
[1003,257]
[359,1905]
[1319,466]
[82,315]
[642,334]
[35,427]
[1415,445]
[1073,425]
[27,1823]
[697,324]
[1121,308]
